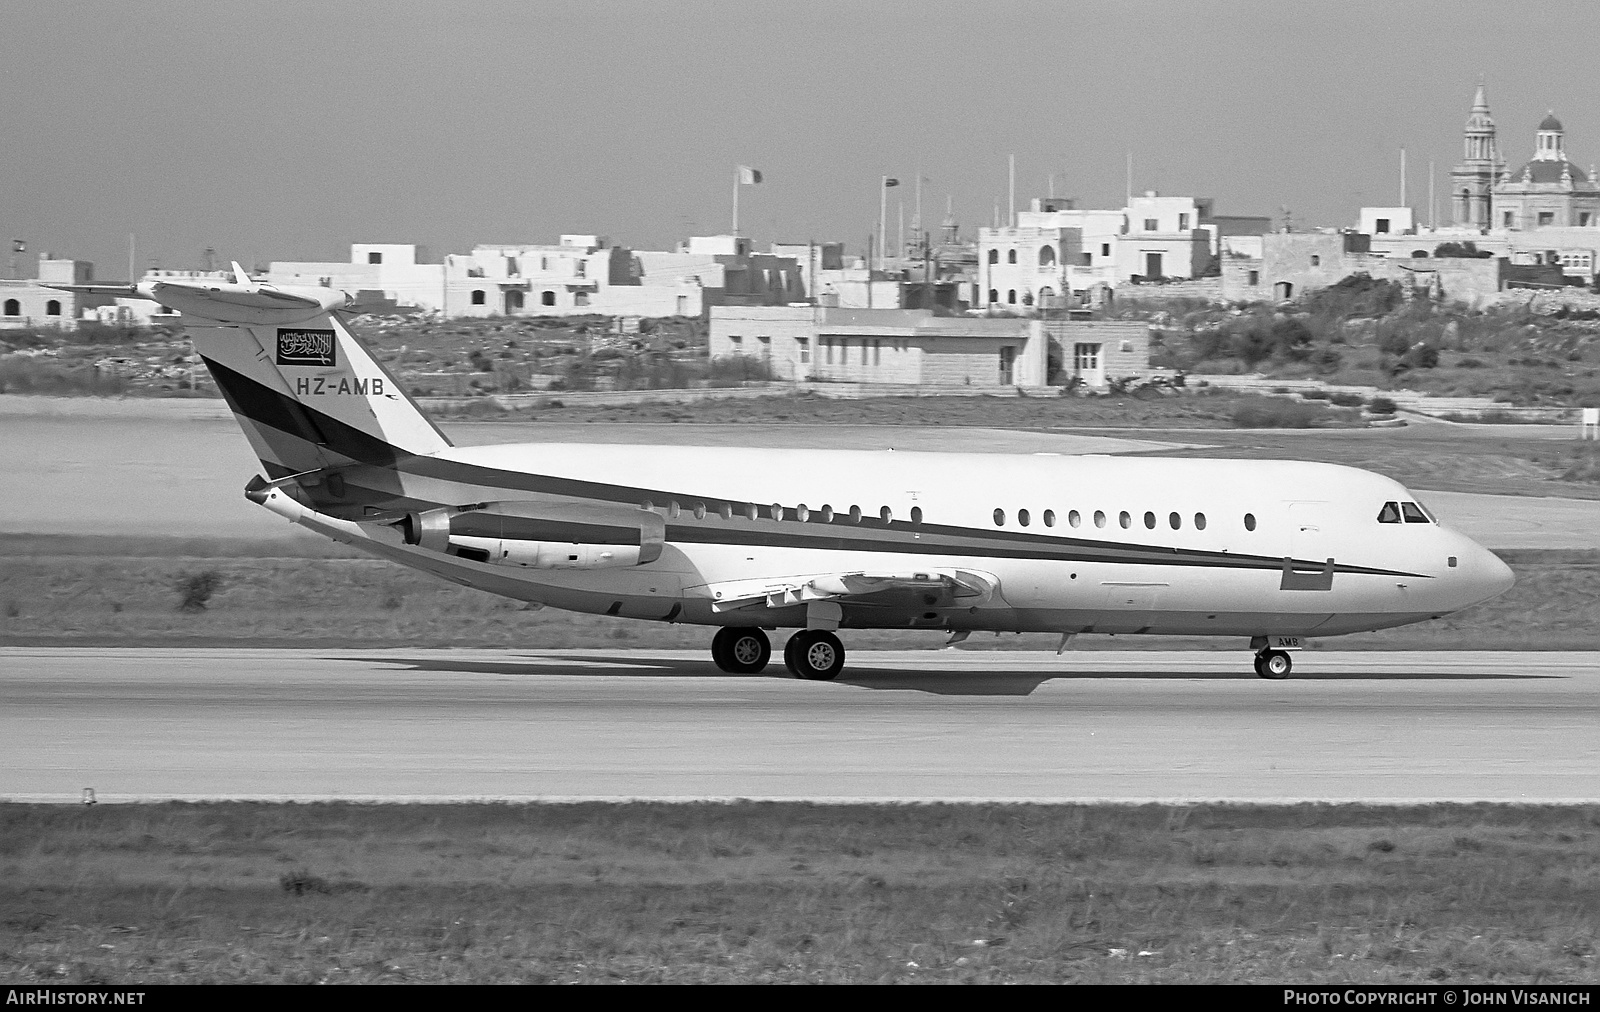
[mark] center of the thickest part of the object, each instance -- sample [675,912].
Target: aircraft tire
[1274,664]
[814,654]
[741,651]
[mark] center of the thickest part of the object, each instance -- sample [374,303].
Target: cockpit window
[1390,514]
[1413,513]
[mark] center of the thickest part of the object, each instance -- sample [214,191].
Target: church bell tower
[1472,182]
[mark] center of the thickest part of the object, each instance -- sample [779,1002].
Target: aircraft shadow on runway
[997,681]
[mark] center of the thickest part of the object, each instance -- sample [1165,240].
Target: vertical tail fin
[310,395]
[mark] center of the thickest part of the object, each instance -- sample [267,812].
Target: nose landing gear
[1273,664]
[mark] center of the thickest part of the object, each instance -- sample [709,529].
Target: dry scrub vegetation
[749,892]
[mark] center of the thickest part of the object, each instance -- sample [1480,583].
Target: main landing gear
[741,651]
[1273,664]
[814,654]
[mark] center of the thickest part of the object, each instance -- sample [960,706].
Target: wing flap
[971,588]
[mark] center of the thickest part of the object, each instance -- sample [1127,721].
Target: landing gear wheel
[1274,664]
[814,654]
[743,651]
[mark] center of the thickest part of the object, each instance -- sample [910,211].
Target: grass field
[798,893]
[113,592]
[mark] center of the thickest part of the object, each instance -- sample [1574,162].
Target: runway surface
[139,724]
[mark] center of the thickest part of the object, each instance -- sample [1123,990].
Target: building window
[1583,217]
[1547,217]
[374,258]
[1085,358]
[1183,223]
[477,296]
[580,299]
[994,295]
[1253,279]
[1316,261]
[994,256]
[736,344]
[1087,258]
[805,349]
[580,268]
[547,298]
[52,308]
[1152,225]
[13,307]
[1382,226]
[1047,256]
[1011,296]
[877,352]
[1508,219]
[1011,256]
[1105,249]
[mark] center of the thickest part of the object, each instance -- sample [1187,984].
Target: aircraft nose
[1490,576]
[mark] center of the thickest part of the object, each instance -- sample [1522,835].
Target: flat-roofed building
[910,347]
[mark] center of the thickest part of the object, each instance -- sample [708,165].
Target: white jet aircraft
[817,540]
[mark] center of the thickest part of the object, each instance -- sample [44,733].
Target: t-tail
[309,395]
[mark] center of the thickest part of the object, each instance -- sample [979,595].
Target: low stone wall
[1196,288]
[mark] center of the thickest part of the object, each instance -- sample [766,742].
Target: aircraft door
[1310,549]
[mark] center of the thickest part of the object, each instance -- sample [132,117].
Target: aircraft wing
[967,586]
[118,291]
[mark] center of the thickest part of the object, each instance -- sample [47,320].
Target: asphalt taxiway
[141,724]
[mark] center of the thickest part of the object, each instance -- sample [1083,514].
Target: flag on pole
[749,176]
[890,181]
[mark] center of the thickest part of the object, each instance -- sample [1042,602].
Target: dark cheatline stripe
[495,525]
[268,407]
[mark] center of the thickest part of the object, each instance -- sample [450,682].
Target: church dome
[1550,122]
[1550,170]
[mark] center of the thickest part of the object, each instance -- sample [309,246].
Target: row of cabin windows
[51,308]
[752,511]
[1124,519]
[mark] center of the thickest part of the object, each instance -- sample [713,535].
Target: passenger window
[1022,517]
[1049,518]
[726,510]
[999,518]
[916,514]
[1149,521]
[1099,518]
[751,511]
[801,513]
[827,513]
[1125,520]
[777,511]
[1074,518]
[647,505]
[699,511]
[1390,514]
[886,515]
[855,514]
[672,510]
[1175,520]
[1249,521]
[1199,521]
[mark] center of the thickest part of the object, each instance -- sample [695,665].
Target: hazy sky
[287,130]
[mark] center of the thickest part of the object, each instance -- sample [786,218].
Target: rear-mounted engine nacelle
[544,554]
[505,534]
